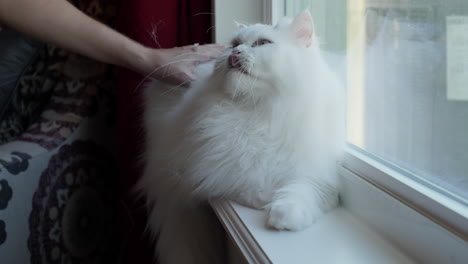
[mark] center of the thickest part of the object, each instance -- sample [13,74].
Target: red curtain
[158,24]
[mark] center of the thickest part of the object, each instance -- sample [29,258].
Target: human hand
[176,66]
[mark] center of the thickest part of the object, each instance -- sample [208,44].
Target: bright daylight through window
[407,80]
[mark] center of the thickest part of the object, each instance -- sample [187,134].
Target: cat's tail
[184,231]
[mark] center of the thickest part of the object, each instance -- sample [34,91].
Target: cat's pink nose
[234,60]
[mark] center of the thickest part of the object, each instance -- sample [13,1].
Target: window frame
[272,10]
[441,209]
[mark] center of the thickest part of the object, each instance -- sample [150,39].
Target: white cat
[263,125]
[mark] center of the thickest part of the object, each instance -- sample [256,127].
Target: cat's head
[265,59]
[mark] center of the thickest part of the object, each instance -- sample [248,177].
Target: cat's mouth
[235,63]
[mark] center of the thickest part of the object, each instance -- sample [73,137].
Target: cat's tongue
[234,61]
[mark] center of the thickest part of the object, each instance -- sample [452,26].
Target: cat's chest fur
[233,146]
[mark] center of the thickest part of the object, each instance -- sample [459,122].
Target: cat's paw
[291,216]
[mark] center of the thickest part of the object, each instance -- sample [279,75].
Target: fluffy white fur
[265,132]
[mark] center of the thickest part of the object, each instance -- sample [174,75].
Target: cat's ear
[303,28]
[240,26]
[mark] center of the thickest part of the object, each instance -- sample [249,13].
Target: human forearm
[60,23]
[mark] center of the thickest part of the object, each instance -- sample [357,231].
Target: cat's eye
[261,42]
[235,43]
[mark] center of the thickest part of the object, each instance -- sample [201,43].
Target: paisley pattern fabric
[23,92]
[74,208]
[63,73]
[58,179]
[78,85]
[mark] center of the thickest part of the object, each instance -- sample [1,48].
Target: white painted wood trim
[272,11]
[353,242]
[267,11]
[239,233]
[441,209]
[243,11]
[420,237]
[227,12]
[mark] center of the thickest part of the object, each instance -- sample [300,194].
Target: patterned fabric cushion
[58,179]
[23,91]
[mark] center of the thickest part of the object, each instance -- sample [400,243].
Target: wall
[228,11]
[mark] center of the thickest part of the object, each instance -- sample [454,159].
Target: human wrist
[137,58]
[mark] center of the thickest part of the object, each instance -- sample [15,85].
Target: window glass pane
[407,80]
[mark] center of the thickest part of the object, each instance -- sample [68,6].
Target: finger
[185,84]
[184,77]
[205,56]
[185,80]
[207,52]
[190,77]
[215,46]
[210,46]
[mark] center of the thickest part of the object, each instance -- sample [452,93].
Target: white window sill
[373,226]
[338,237]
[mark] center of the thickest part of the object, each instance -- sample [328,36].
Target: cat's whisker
[252,87]
[208,30]
[245,70]
[158,68]
[191,53]
[223,57]
[242,69]
[219,66]
[174,88]
[204,13]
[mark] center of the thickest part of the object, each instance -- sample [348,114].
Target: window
[413,104]
[406,73]
[407,79]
